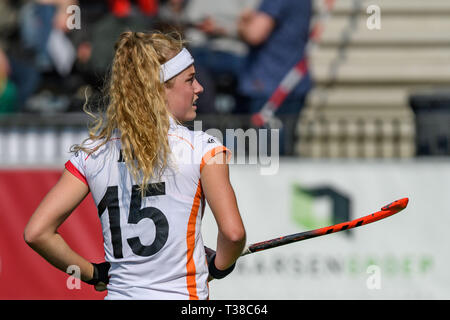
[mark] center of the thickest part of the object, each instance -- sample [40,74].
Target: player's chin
[192,114]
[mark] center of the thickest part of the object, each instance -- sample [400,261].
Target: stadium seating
[359,107]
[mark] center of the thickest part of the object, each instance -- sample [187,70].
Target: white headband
[175,65]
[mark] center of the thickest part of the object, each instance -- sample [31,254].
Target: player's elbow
[30,236]
[33,235]
[237,236]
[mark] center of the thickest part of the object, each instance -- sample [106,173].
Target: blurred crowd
[55,52]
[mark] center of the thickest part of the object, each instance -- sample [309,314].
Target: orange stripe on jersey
[190,241]
[212,153]
[174,135]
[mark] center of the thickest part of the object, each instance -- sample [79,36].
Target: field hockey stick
[385,212]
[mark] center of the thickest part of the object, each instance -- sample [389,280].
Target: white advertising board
[405,256]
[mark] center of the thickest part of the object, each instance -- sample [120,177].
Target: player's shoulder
[203,140]
[181,134]
[197,140]
[94,147]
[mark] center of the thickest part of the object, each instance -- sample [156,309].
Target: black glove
[213,271]
[100,273]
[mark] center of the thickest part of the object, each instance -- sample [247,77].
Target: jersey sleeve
[207,147]
[77,166]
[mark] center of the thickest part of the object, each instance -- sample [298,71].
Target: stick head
[396,206]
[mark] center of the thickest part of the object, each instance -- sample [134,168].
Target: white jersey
[154,244]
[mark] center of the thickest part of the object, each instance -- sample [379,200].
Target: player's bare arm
[41,232]
[221,198]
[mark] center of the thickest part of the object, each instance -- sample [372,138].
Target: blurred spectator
[95,47]
[43,33]
[92,12]
[277,33]
[102,22]
[36,20]
[171,15]
[18,77]
[40,20]
[216,47]
[8,93]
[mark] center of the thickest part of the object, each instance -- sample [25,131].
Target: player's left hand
[100,277]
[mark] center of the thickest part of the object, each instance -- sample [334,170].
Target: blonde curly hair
[137,103]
